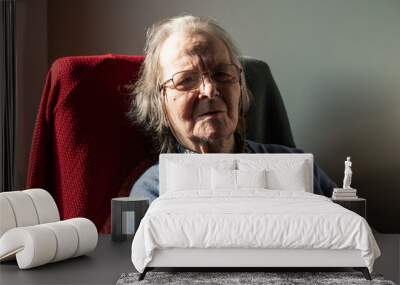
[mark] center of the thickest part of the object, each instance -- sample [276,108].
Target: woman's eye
[187,80]
[221,76]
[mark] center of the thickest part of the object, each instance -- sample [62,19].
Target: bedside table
[357,205]
[126,214]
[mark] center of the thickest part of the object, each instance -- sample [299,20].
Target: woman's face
[210,112]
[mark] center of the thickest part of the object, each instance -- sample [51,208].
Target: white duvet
[252,218]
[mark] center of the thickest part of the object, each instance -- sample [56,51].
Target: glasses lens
[189,80]
[226,74]
[186,80]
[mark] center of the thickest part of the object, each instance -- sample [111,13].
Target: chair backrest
[86,151]
[267,120]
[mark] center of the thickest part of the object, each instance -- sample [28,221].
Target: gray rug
[229,278]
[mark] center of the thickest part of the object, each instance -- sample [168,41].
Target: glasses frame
[162,85]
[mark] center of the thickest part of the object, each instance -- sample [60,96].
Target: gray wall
[337,64]
[31,62]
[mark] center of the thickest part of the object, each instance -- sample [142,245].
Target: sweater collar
[241,146]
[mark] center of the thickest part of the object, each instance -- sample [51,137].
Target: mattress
[250,219]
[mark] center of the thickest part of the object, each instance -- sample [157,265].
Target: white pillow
[227,179]
[251,178]
[182,177]
[281,174]
[293,179]
[223,179]
[186,173]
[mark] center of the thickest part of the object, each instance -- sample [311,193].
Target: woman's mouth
[213,113]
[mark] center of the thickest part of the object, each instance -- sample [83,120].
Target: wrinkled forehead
[183,51]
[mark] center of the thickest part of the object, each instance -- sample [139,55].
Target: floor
[389,262]
[109,261]
[101,266]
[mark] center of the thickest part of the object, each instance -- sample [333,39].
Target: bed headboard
[238,161]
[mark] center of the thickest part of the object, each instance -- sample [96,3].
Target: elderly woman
[192,95]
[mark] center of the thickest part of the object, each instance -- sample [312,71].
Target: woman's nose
[208,86]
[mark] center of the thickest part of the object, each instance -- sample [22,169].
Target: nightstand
[126,214]
[357,205]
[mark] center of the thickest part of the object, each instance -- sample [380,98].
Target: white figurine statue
[347,174]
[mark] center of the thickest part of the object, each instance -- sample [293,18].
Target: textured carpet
[225,278]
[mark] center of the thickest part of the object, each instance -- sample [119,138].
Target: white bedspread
[250,219]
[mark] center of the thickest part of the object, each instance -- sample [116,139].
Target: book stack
[344,194]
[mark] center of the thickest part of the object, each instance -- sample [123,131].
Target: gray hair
[146,106]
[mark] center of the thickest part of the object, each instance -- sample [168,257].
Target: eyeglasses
[191,79]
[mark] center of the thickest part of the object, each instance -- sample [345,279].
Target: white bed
[247,210]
